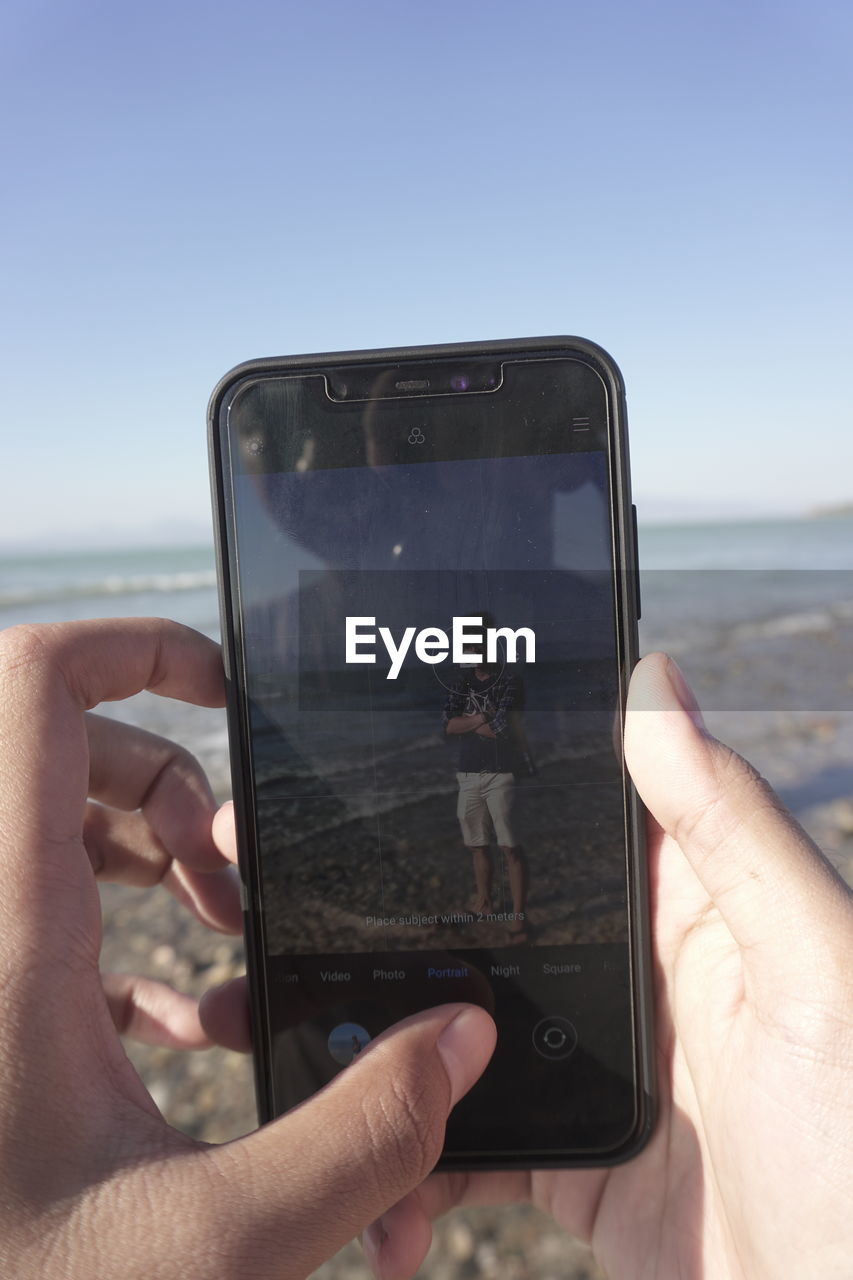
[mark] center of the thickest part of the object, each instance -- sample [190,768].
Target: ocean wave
[113,585]
[788,624]
[794,623]
[691,637]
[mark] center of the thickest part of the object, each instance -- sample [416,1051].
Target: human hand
[93,1182]
[749,1173]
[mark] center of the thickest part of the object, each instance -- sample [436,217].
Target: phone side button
[637,562]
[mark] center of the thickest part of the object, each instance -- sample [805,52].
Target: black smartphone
[428,579]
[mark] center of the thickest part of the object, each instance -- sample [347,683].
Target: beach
[761,621]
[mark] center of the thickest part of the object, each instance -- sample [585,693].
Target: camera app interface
[432,691]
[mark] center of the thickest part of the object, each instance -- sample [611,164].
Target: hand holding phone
[93,1181]
[749,1111]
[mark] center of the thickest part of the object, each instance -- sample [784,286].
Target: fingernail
[459,1045]
[684,693]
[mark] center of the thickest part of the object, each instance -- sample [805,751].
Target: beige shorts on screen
[484,808]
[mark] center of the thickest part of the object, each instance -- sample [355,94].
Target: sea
[731,601]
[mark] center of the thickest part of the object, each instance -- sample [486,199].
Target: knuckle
[747,791]
[182,771]
[25,646]
[161,631]
[737,791]
[184,763]
[735,773]
[174,770]
[403,1135]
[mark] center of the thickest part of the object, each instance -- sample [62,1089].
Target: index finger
[107,659]
[49,675]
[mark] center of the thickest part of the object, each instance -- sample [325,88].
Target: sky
[191,185]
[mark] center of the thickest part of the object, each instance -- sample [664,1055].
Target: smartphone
[428,580]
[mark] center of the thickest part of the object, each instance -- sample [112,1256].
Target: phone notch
[402,382]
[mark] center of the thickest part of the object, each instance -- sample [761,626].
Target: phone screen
[430,613]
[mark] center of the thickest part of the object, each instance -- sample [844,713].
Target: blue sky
[191,185]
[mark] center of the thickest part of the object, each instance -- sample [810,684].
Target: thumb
[298,1189]
[773,887]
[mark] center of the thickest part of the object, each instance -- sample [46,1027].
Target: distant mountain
[837,509]
[652,510]
[171,533]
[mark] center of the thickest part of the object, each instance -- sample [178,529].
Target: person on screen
[483,710]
